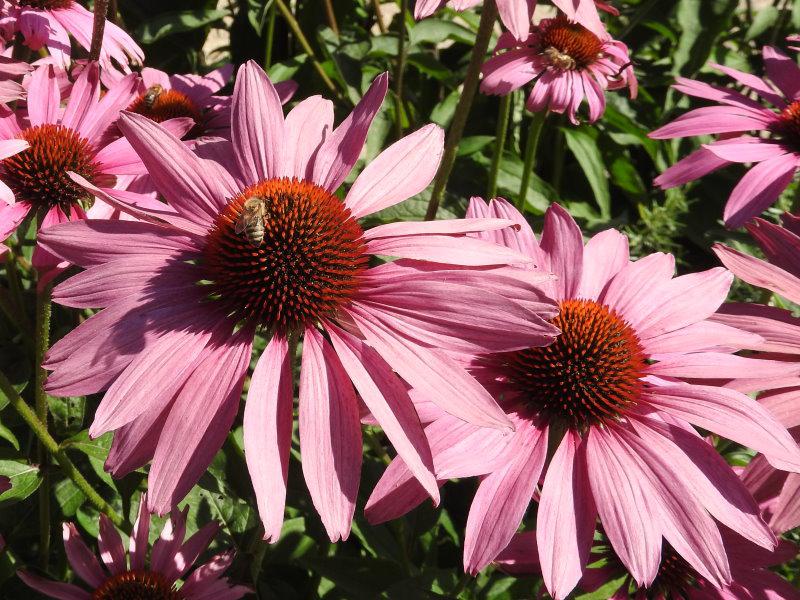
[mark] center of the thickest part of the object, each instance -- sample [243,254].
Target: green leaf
[358,577]
[67,413]
[69,497]
[97,448]
[764,19]
[25,479]
[474,143]
[701,23]
[586,151]
[9,436]
[170,23]
[436,31]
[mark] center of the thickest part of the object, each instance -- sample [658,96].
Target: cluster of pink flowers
[575,382]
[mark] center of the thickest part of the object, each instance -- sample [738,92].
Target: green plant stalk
[499,143]
[484,36]
[67,466]
[531,146]
[376,6]
[43,312]
[270,36]
[329,12]
[298,33]
[558,158]
[98,27]
[400,68]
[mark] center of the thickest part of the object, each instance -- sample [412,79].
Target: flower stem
[376,6]
[534,134]
[67,466]
[298,33]
[482,39]
[499,143]
[43,312]
[401,67]
[270,37]
[99,26]
[329,12]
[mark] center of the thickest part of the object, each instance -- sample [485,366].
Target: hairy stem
[43,311]
[499,144]
[99,26]
[534,134]
[301,37]
[488,17]
[67,466]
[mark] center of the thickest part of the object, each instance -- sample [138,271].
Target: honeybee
[561,61]
[152,94]
[251,220]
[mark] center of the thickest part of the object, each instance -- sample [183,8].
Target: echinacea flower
[568,64]
[128,575]
[516,14]
[750,573]
[616,396]
[162,97]
[41,146]
[260,241]
[774,150]
[49,23]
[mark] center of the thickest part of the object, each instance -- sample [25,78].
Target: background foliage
[601,173]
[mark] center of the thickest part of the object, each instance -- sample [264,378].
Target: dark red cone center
[568,45]
[137,585]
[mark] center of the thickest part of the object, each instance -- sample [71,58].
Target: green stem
[270,36]
[298,33]
[43,311]
[400,69]
[329,12]
[67,466]
[376,6]
[638,17]
[499,143]
[558,159]
[534,134]
[482,39]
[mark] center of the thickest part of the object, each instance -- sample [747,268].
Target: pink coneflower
[50,23]
[567,63]
[39,147]
[267,245]
[616,395]
[516,14]
[127,575]
[774,150]
[162,97]
[750,574]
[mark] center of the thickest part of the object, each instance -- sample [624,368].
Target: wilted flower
[266,245]
[635,367]
[567,63]
[130,576]
[51,22]
[775,149]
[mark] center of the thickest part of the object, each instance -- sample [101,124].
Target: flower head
[774,149]
[50,23]
[43,145]
[636,366]
[259,241]
[568,64]
[129,575]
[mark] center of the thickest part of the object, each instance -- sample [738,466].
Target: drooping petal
[53,589]
[109,542]
[268,432]
[759,188]
[759,273]
[81,559]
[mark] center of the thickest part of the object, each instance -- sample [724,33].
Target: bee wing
[240,224]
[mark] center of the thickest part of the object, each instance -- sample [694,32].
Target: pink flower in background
[162,97]
[40,146]
[265,244]
[11,69]
[128,575]
[50,23]
[774,150]
[516,14]
[567,63]
[617,395]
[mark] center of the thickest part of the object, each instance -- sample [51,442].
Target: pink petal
[730,414]
[714,119]
[140,538]
[440,378]
[190,551]
[330,435]
[53,589]
[521,556]
[759,188]
[388,401]
[466,251]
[566,518]
[516,16]
[111,549]
[401,171]
[81,559]
[268,432]
[728,96]
[521,238]
[637,286]
[509,71]
[83,98]
[200,419]
[43,96]
[339,152]
[761,87]
[746,149]
[759,272]
[782,71]
[257,124]
[306,126]
[12,147]
[787,506]
[438,227]
[502,498]
[694,166]
[562,242]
